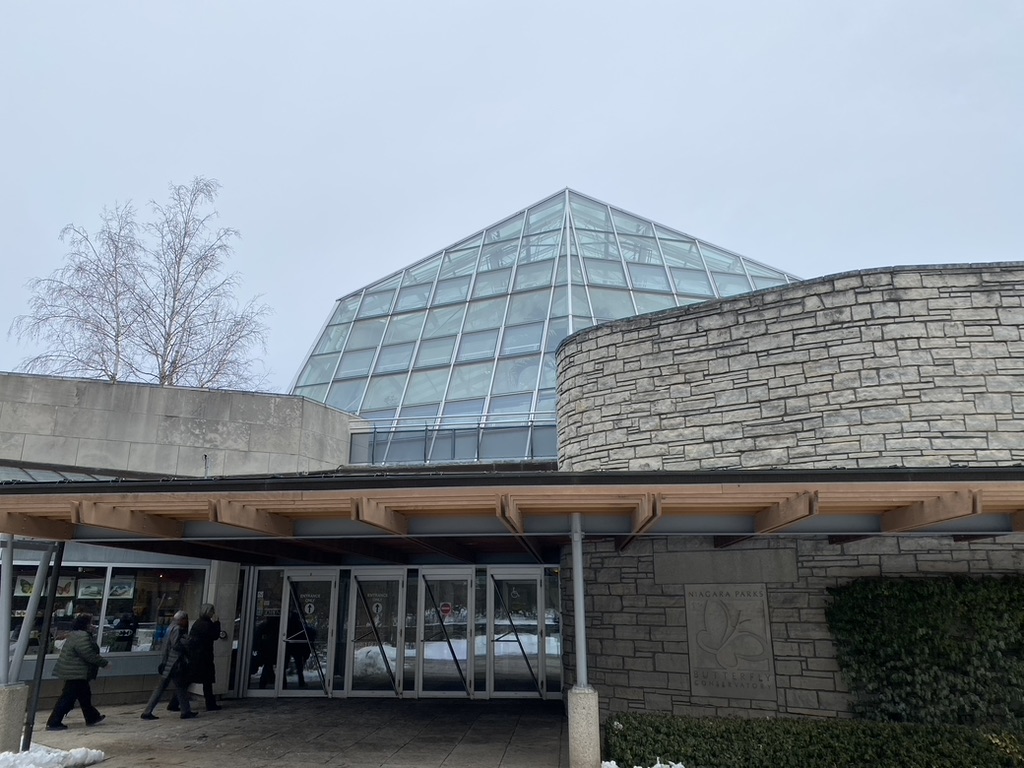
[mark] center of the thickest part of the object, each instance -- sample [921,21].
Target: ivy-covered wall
[650,650]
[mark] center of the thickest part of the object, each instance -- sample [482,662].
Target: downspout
[583,710]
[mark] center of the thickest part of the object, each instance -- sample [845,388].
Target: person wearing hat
[173,667]
[78,663]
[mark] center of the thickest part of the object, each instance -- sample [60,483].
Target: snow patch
[40,756]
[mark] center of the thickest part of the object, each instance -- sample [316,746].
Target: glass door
[515,634]
[307,636]
[444,649]
[376,633]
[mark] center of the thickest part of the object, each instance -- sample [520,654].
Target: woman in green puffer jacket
[78,663]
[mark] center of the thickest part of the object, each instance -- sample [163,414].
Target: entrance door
[445,634]
[516,634]
[307,636]
[376,633]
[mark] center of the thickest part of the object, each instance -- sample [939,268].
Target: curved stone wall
[905,366]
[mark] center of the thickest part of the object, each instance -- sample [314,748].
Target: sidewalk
[349,733]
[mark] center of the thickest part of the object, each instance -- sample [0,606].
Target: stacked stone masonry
[913,366]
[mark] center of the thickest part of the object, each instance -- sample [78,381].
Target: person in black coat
[201,668]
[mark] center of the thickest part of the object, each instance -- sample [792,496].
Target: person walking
[201,668]
[173,667]
[78,664]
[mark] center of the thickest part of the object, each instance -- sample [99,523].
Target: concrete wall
[167,431]
[910,366]
[649,622]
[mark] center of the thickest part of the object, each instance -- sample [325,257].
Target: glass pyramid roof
[467,336]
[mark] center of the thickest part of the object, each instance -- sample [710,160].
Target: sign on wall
[730,643]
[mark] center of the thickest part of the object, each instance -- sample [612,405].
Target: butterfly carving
[723,636]
[26,586]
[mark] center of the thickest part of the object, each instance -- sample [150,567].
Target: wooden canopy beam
[379,516]
[35,527]
[939,509]
[646,513]
[785,513]
[252,518]
[511,515]
[128,520]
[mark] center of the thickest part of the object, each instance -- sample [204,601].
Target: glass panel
[760,270]
[135,614]
[605,272]
[514,636]
[333,339]
[562,271]
[508,229]
[533,275]
[486,313]
[306,653]
[509,408]
[626,224]
[458,263]
[491,283]
[426,386]
[375,304]
[598,245]
[719,260]
[575,271]
[649,277]
[375,640]
[517,374]
[499,255]
[345,310]
[381,416]
[316,393]
[367,333]
[461,412]
[560,300]
[266,628]
[692,281]
[611,304]
[587,214]
[552,630]
[558,329]
[472,380]
[519,339]
[547,371]
[345,395]
[477,345]
[407,446]
[525,307]
[443,321]
[448,291]
[681,254]
[394,358]
[544,445]
[422,273]
[579,322]
[580,300]
[404,327]
[546,402]
[499,442]
[318,369]
[418,415]
[469,242]
[413,297]
[730,285]
[547,215]
[539,248]
[639,249]
[769,282]
[446,650]
[652,302]
[435,352]
[384,391]
[355,364]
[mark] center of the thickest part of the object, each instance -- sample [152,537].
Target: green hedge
[644,739]
[932,650]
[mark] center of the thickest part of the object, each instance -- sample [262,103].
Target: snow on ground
[45,757]
[613,764]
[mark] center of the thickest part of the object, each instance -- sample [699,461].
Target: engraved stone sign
[730,641]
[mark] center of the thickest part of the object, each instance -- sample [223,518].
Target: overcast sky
[352,139]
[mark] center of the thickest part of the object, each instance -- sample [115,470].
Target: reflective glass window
[345,395]
[443,321]
[769,282]
[516,374]
[649,277]
[652,302]
[380,417]
[547,371]
[384,391]
[625,224]
[579,322]
[448,291]
[458,263]
[485,313]
[760,270]
[475,346]
[533,275]
[605,272]
[366,333]
[377,303]
[681,254]
[598,245]
[470,380]
[692,281]
[643,250]
[404,327]
[469,242]
[422,273]
[546,401]
[499,442]
[539,247]
[318,370]
[524,307]
[499,255]
[562,270]
[547,215]
[508,229]
[413,297]
[345,310]
[719,260]
[491,283]
[587,214]
[580,300]
[435,352]
[730,285]
[509,408]
[423,415]
[426,386]
[560,300]
[462,412]
[521,339]
[141,603]
[332,339]
[394,358]
[316,392]
[611,304]
[558,329]
[575,270]
[355,362]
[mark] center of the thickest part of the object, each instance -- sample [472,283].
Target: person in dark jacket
[173,668]
[78,663]
[124,633]
[201,669]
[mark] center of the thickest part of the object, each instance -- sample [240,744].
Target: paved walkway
[354,733]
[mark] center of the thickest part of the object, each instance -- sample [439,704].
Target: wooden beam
[512,516]
[787,512]
[646,513]
[36,527]
[379,516]
[120,518]
[929,512]
[253,519]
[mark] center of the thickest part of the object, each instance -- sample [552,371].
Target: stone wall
[652,638]
[109,428]
[912,366]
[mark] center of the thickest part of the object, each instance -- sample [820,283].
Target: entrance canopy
[502,514]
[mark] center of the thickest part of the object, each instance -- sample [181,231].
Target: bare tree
[149,303]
